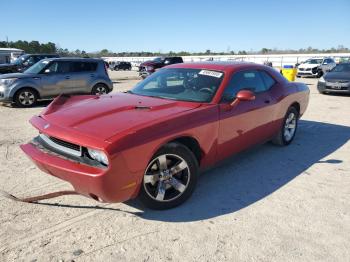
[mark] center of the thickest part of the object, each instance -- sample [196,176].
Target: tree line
[49,48]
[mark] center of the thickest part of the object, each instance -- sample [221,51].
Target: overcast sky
[189,25]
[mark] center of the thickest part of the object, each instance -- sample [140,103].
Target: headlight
[149,68]
[98,156]
[2,88]
[322,80]
[7,81]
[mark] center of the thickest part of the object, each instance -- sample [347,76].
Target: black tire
[100,89]
[172,197]
[319,73]
[26,97]
[281,138]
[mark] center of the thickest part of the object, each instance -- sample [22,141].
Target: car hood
[308,65]
[337,76]
[106,116]
[16,75]
[149,63]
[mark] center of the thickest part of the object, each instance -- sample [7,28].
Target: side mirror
[243,95]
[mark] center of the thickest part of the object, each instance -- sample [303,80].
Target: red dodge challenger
[151,141]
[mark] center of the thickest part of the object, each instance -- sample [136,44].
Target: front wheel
[170,177]
[289,128]
[99,89]
[26,97]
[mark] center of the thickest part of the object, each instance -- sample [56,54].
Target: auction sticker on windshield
[210,73]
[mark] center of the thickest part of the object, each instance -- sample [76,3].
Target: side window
[60,67]
[83,66]
[268,80]
[250,80]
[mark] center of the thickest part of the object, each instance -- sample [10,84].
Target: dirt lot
[267,204]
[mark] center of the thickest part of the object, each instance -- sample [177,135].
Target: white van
[9,55]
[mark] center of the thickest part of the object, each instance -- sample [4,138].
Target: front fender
[23,84]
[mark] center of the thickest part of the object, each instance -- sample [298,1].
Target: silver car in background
[51,77]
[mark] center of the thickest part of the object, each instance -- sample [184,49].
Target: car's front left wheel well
[192,144]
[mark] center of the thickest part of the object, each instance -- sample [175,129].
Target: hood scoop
[143,108]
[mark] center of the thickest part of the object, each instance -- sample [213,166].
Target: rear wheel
[170,177]
[26,97]
[99,89]
[290,124]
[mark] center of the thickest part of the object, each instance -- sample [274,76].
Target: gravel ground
[266,204]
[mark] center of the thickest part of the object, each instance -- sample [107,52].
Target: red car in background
[152,141]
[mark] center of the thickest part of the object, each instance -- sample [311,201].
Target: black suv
[23,62]
[121,66]
[149,67]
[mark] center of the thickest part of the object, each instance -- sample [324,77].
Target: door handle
[67,77]
[267,101]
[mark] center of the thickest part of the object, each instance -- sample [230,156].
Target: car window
[59,67]
[249,79]
[183,84]
[83,66]
[268,80]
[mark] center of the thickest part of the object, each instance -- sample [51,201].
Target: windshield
[341,68]
[36,68]
[157,59]
[182,84]
[20,60]
[313,61]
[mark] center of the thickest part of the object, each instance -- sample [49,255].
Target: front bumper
[5,94]
[116,184]
[311,72]
[332,88]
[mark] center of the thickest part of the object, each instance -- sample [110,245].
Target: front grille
[65,143]
[61,145]
[338,81]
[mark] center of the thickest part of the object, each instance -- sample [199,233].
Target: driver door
[56,79]
[248,122]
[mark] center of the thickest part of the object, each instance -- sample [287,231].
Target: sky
[178,25]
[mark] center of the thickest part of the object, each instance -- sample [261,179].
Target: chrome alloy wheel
[26,98]
[166,177]
[290,126]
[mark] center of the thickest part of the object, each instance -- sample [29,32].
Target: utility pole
[7,41]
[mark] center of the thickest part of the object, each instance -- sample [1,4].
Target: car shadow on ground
[248,177]
[41,103]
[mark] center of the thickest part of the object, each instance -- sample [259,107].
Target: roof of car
[74,59]
[222,65]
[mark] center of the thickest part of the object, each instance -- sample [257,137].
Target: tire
[175,184]
[319,74]
[287,132]
[100,89]
[26,97]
